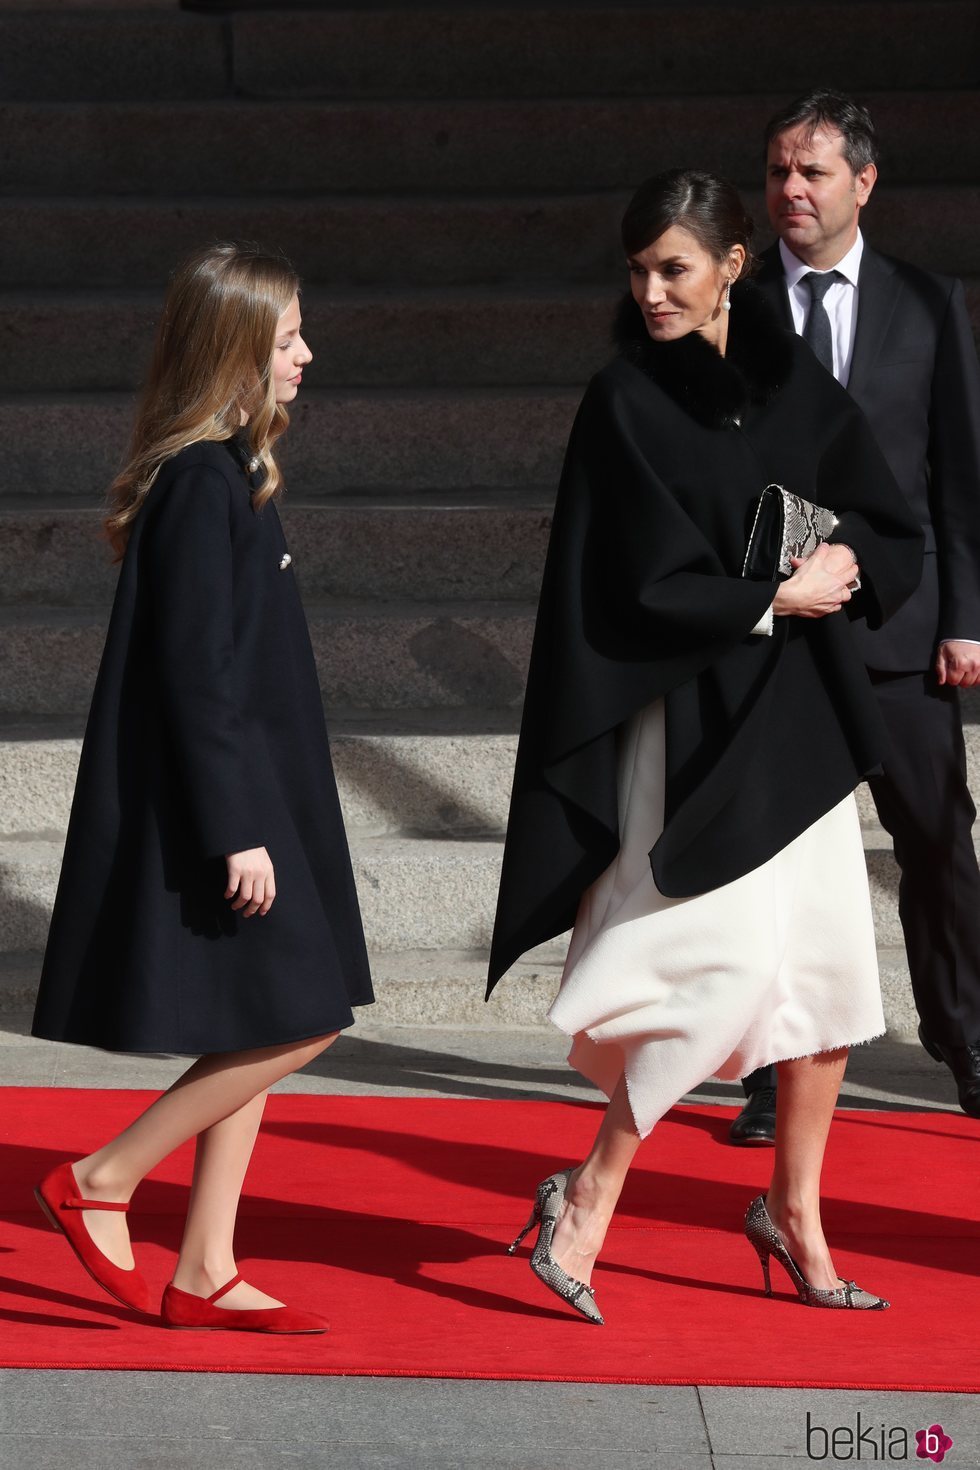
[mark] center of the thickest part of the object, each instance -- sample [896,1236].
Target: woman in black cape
[206,902]
[692,737]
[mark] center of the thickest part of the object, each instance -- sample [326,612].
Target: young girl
[206,903]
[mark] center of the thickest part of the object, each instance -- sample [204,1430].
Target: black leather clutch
[785,525]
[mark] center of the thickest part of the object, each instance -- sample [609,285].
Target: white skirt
[779,963]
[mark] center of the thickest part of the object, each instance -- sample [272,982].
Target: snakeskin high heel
[762,1234]
[546,1212]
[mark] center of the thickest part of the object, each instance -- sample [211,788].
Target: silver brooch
[285,561]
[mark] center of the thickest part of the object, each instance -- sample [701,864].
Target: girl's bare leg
[805,1102]
[594,1189]
[212,1089]
[207,1252]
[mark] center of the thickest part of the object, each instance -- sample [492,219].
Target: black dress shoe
[964,1063]
[756,1123]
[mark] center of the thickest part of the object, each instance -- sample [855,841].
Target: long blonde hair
[212,361]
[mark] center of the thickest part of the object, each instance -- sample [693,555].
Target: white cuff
[763,628]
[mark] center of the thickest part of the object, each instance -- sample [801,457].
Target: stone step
[375,441]
[446,988]
[99,341]
[78,53]
[414,988]
[484,146]
[490,548]
[480,51]
[415,895]
[427,782]
[372,656]
[442,241]
[596,49]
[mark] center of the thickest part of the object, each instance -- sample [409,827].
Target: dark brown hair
[841,114]
[707,206]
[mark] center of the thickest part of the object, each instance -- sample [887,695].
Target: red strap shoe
[191,1313]
[62,1204]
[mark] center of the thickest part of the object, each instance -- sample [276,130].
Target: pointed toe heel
[62,1206]
[549,1199]
[767,1242]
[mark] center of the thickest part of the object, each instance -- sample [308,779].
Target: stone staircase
[448,180]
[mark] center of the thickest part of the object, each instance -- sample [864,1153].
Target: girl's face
[680,287]
[290,354]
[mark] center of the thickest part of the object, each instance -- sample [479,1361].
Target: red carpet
[391,1217]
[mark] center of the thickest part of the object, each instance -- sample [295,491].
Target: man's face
[812,197]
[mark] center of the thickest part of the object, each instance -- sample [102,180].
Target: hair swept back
[702,203]
[824,108]
[212,361]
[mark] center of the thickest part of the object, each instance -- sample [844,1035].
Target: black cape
[205,736]
[643,598]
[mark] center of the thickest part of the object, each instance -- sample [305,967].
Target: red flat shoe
[62,1205]
[191,1313]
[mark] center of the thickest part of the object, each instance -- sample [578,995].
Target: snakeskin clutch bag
[785,525]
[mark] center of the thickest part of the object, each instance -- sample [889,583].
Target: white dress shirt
[840,301]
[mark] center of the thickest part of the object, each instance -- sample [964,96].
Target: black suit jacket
[914,372]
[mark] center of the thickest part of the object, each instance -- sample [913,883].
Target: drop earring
[726,305]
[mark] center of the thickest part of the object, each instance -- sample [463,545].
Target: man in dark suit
[899,339]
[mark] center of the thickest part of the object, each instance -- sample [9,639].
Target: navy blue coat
[205,737]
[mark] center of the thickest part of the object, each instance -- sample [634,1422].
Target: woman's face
[680,287]
[290,354]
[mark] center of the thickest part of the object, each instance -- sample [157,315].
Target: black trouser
[924,801]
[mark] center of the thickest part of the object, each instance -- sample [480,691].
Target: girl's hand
[819,585]
[252,878]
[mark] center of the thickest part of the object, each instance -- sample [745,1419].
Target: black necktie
[817,331]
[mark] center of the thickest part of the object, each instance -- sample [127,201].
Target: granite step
[100,340]
[429,781]
[415,895]
[446,988]
[373,441]
[551,146]
[376,656]
[139,51]
[486,547]
[442,241]
[412,988]
[85,52]
[541,51]
[425,777]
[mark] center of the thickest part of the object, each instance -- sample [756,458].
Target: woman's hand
[251,881]
[819,584]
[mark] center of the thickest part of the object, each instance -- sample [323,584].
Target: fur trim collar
[713,389]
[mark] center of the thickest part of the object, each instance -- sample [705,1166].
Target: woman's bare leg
[594,1189]
[212,1089]
[805,1102]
